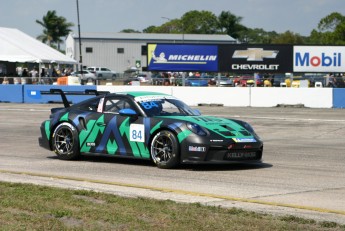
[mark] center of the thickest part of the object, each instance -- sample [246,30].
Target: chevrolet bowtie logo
[255,54]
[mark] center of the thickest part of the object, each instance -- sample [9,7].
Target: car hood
[227,128]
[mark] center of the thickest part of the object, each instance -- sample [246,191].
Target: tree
[330,30]
[54,27]
[199,22]
[288,37]
[231,24]
[130,31]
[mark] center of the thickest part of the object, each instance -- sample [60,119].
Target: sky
[298,16]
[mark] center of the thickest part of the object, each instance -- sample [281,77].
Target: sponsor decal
[216,140]
[246,58]
[196,149]
[235,155]
[179,57]
[319,59]
[255,54]
[244,140]
[147,98]
[257,67]
[90,144]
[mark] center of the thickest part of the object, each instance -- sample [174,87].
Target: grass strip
[31,207]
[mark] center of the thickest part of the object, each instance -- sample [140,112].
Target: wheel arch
[165,128]
[52,129]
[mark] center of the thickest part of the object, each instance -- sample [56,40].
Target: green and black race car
[147,125]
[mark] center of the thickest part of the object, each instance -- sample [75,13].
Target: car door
[119,134]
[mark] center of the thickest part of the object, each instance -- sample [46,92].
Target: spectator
[5,81]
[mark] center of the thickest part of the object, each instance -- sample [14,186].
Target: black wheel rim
[64,141]
[162,149]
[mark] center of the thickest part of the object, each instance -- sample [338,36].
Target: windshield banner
[182,57]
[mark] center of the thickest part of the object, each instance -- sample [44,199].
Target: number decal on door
[137,132]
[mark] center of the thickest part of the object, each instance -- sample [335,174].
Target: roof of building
[220,38]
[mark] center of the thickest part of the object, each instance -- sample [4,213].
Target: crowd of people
[25,75]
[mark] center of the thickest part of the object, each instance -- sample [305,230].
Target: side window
[114,105]
[90,105]
[103,69]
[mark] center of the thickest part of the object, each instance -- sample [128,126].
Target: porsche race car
[146,125]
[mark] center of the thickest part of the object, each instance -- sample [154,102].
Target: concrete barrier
[241,96]
[309,97]
[193,96]
[11,93]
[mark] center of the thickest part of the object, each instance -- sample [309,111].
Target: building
[122,51]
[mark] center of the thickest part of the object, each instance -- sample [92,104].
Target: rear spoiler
[64,93]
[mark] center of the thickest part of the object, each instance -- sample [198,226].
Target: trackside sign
[182,57]
[319,59]
[248,58]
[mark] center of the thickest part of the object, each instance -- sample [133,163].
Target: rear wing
[63,94]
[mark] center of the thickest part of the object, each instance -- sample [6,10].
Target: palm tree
[231,24]
[54,27]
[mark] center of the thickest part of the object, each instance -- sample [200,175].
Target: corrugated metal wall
[105,53]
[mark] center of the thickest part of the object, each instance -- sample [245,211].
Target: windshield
[166,106]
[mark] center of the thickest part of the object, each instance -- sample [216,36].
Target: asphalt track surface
[302,174]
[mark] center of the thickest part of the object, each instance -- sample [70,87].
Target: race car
[146,125]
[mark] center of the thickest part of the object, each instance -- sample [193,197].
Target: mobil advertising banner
[182,57]
[249,58]
[319,59]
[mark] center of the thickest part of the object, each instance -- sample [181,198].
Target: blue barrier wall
[32,93]
[11,93]
[339,98]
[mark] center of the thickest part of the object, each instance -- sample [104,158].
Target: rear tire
[66,142]
[165,150]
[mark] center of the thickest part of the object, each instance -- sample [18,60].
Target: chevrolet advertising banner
[319,59]
[182,57]
[245,58]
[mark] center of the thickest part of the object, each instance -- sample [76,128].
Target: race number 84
[137,132]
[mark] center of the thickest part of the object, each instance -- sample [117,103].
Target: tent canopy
[16,46]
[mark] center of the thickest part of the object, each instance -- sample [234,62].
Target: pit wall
[193,96]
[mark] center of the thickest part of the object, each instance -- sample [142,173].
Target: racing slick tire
[165,150]
[66,142]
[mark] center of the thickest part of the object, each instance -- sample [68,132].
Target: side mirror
[128,112]
[196,112]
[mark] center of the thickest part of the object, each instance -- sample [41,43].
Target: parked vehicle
[223,82]
[248,81]
[196,82]
[102,72]
[85,76]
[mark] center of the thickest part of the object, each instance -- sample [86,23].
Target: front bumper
[205,151]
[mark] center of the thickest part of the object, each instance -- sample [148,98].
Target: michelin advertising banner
[182,57]
[319,59]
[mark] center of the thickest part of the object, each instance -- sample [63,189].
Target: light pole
[80,54]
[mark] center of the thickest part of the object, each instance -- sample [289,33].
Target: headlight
[197,129]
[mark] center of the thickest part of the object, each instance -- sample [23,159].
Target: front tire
[165,150]
[66,142]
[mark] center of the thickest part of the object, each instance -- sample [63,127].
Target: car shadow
[226,167]
[117,160]
[187,167]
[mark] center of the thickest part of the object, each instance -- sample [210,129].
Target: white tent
[16,46]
